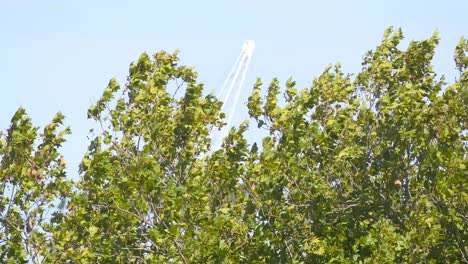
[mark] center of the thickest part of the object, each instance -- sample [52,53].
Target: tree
[32,180]
[357,168]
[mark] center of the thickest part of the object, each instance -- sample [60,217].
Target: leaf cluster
[361,168]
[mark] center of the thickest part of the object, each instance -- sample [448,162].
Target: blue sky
[59,55]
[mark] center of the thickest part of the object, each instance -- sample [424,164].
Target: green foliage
[366,168]
[32,179]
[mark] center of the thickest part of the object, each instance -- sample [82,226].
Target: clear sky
[59,55]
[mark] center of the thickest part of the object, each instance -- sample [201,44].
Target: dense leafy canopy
[365,168]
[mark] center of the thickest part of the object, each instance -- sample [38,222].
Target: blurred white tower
[230,91]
